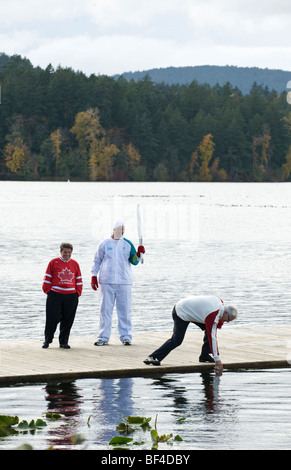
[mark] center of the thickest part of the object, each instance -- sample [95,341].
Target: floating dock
[24,361]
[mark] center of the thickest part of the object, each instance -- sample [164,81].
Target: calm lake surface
[228,239]
[232,240]
[239,410]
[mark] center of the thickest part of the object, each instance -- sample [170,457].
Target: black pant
[180,327]
[60,308]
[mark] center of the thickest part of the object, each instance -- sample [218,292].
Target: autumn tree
[135,170]
[218,174]
[200,159]
[262,152]
[87,128]
[16,155]
[126,165]
[56,139]
[100,161]
[58,123]
[93,144]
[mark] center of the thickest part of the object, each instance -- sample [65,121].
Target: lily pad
[120,440]
[6,420]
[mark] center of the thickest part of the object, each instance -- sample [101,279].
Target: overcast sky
[115,36]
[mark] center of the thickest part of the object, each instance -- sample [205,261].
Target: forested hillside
[61,124]
[240,77]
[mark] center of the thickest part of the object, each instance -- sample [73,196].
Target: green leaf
[178,438]
[24,447]
[156,421]
[40,423]
[117,440]
[154,436]
[121,427]
[138,420]
[23,424]
[32,425]
[88,420]
[165,437]
[6,431]
[53,416]
[6,420]
[124,428]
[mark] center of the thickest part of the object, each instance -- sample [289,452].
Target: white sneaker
[100,342]
[126,342]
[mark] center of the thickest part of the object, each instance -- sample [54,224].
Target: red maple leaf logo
[66,275]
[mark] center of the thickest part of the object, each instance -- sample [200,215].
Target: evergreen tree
[58,123]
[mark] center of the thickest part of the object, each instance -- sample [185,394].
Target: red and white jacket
[207,309]
[63,277]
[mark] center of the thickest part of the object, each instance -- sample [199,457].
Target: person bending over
[206,311]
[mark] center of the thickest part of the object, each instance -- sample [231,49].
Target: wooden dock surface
[26,362]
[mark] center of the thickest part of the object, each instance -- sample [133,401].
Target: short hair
[232,311]
[66,245]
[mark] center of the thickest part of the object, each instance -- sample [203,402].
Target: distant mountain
[240,77]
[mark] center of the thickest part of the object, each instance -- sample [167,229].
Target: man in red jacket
[63,285]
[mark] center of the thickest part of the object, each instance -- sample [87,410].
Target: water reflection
[100,410]
[211,390]
[207,415]
[66,400]
[227,412]
[207,398]
[113,398]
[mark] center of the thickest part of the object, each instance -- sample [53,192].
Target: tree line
[58,124]
[241,77]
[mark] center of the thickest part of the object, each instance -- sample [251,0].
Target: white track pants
[121,294]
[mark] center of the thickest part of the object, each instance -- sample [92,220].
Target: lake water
[228,239]
[239,410]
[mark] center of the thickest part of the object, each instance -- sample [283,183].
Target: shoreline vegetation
[59,125]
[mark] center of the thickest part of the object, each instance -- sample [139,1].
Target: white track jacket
[113,261]
[207,309]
